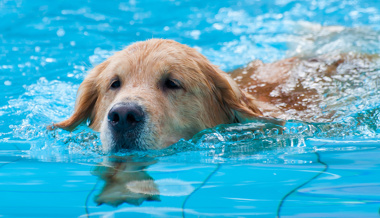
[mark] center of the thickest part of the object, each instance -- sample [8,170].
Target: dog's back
[305,88]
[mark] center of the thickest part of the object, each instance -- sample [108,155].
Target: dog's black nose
[125,116]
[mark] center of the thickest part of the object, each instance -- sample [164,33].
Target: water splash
[312,39]
[38,111]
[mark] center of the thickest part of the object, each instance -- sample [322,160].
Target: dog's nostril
[131,118]
[115,118]
[134,116]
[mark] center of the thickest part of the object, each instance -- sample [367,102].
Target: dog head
[155,92]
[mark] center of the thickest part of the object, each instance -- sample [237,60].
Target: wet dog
[155,92]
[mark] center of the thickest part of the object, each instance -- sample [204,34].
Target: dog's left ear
[237,104]
[85,103]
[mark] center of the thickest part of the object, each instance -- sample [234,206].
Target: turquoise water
[329,169]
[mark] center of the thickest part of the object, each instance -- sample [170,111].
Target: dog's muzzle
[126,120]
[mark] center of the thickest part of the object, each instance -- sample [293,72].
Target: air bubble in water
[60,32]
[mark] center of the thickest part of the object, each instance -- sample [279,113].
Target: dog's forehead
[133,49]
[150,58]
[150,62]
[153,45]
[141,64]
[149,48]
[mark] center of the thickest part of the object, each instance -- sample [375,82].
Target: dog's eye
[115,84]
[172,84]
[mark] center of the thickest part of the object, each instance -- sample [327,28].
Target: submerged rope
[303,184]
[195,190]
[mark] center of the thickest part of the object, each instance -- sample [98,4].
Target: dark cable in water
[88,197]
[303,184]
[195,190]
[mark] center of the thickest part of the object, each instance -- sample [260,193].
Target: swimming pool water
[329,169]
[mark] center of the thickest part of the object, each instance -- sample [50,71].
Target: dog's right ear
[86,98]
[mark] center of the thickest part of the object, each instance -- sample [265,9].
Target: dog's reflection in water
[126,181]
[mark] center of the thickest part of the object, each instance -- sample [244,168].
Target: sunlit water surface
[320,169]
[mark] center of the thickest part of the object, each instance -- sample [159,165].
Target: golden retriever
[156,92]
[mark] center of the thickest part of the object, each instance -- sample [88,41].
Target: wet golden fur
[208,96]
[292,88]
